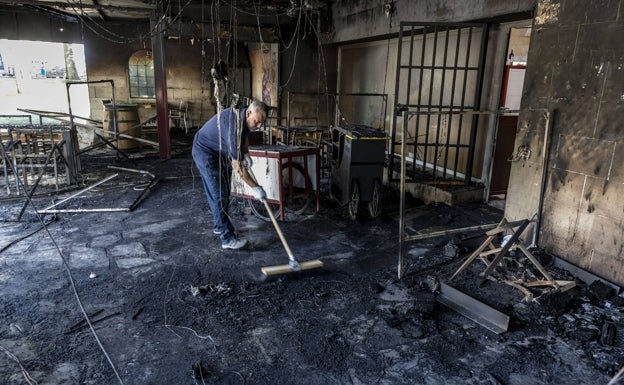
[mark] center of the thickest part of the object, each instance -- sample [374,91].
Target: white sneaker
[234,244]
[215,231]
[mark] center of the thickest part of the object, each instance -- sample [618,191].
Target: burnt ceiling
[253,11]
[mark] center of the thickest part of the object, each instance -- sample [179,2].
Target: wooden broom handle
[277,228]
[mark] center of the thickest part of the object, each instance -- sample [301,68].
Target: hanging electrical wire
[257,11]
[322,68]
[235,38]
[66,267]
[389,15]
[109,35]
[295,34]
[202,70]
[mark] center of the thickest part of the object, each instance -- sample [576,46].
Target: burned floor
[167,305]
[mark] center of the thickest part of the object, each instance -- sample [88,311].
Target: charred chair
[178,114]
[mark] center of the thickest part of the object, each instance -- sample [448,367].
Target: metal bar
[130,208]
[449,231]
[148,188]
[143,194]
[60,115]
[57,115]
[99,210]
[29,117]
[462,104]
[80,192]
[408,90]
[433,24]
[318,180]
[477,103]
[402,200]
[469,112]
[450,145]
[71,115]
[545,159]
[396,103]
[132,170]
[442,91]
[473,309]
[489,162]
[442,67]
[428,117]
[436,154]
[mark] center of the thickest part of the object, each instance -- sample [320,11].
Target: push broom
[293,265]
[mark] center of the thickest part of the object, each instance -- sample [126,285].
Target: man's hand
[258,193]
[247,160]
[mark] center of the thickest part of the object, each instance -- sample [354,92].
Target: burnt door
[505,139]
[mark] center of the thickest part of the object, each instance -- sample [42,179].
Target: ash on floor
[169,306]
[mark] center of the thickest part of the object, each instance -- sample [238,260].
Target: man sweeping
[219,146]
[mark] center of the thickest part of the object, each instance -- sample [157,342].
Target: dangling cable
[67,269]
[381,113]
[296,34]
[324,68]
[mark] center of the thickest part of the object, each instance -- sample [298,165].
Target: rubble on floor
[171,307]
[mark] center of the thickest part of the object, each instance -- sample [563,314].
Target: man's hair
[259,106]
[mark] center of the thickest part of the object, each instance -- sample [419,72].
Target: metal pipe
[80,192]
[437,133]
[402,200]
[545,159]
[427,117]
[448,130]
[141,196]
[462,104]
[396,108]
[477,105]
[132,170]
[452,98]
[104,210]
[450,231]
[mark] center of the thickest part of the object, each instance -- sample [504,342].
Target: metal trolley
[357,165]
[290,176]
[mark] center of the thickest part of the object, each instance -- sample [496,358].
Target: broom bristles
[284,269]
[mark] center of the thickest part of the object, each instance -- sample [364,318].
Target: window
[141,73]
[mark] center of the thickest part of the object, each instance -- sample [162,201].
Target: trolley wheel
[354,203]
[295,200]
[374,205]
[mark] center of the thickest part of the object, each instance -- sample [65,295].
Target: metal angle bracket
[473,309]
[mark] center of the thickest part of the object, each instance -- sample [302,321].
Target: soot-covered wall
[575,170]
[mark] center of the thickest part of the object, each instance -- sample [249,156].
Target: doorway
[510,98]
[34,78]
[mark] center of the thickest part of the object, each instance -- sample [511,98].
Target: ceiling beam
[83,6]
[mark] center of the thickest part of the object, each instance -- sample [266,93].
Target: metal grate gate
[439,73]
